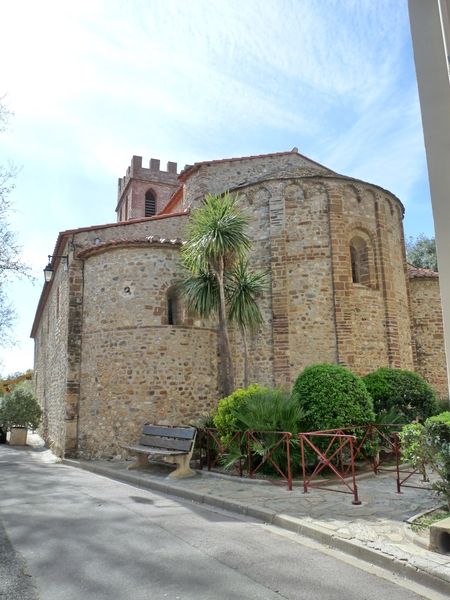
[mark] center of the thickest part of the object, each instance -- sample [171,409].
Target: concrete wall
[430,29]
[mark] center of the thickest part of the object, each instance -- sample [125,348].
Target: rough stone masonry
[115,347]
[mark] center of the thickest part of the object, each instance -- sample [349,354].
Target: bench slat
[149,450]
[185,433]
[163,442]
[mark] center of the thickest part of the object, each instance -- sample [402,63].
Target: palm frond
[201,293]
[217,230]
[243,288]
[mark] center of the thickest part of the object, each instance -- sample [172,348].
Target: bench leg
[183,469]
[141,461]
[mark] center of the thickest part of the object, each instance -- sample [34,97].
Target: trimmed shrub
[331,397]
[261,410]
[405,392]
[269,410]
[20,408]
[225,419]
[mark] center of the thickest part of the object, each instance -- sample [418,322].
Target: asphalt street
[71,535]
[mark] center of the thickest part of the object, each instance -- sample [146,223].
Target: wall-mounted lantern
[48,271]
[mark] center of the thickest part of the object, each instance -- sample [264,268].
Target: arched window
[174,316]
[150,204]
[359,257]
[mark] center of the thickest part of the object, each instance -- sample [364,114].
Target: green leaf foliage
[225,419]
[430,444]
[412,444]
[332,397]
[269,410]
[201,292]
[404,391]
[259,409]
[20,408]
[421,252]
[243,287]
[217,230]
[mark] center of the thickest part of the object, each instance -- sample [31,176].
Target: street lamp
[48,271]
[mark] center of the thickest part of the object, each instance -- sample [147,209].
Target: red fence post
[356,500]
[288,457]
[396,446]
[305,485]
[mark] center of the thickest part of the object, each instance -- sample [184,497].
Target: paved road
[86,537]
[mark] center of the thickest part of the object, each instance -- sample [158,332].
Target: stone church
[115,347]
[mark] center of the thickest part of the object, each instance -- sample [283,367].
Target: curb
[293,524]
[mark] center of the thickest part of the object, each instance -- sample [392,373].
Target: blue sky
[94,82]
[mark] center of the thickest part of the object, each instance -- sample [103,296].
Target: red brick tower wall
[139,180]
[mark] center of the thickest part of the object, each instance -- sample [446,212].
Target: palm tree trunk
[227,361]
[244,343]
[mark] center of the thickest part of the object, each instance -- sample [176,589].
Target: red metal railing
[257,448]
[253,450]
[214,450]
[409,472]
[338,452]
[381,438]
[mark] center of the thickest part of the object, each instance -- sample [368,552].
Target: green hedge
[405,392]
[225,418]
[331,397]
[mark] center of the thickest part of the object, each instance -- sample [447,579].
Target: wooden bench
[174,444]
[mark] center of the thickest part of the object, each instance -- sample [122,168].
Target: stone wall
[168,226]
[372,316]
[428,333]
[51,361]
[337,293]
[135,367]
[313,310]
[217,176]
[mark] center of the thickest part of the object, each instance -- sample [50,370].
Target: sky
[92,83]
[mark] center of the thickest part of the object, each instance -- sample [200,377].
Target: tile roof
[418,272]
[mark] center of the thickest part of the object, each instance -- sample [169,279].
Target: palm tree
[243,288]
[217,238]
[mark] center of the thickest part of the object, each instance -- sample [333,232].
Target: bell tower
[144,192]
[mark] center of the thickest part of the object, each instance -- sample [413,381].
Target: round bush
[404,392]
[331,397]
[225,419]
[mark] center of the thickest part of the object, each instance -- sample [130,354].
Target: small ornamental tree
[332,397]
[20,408]
[429,444]
[403,391]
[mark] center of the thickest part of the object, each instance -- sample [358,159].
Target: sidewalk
[375,531]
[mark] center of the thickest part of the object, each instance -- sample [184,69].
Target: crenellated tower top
[144,192]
